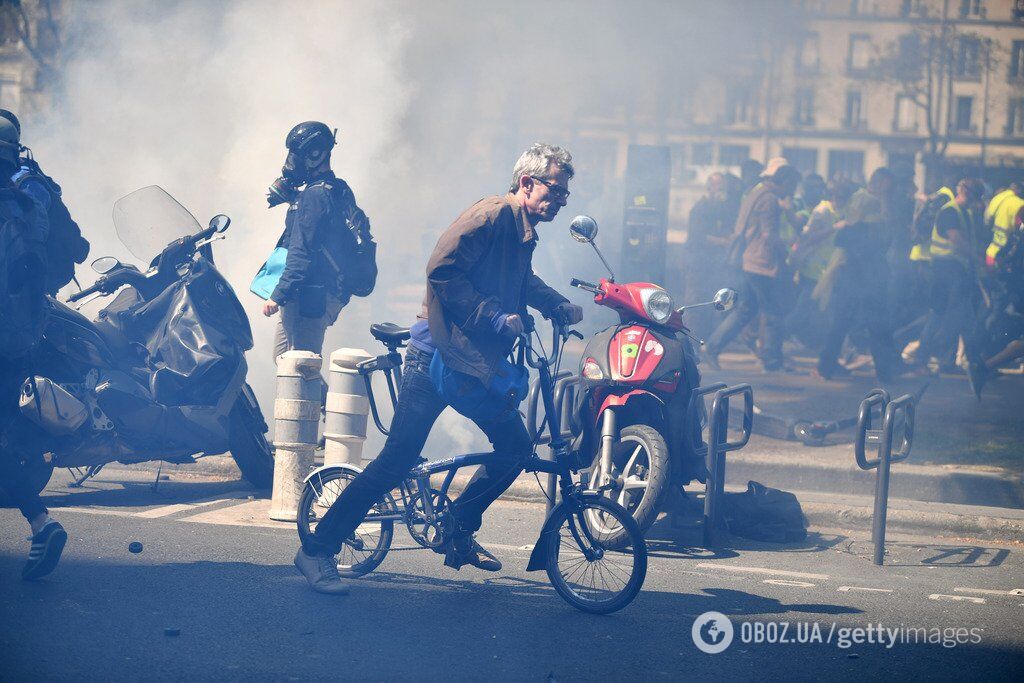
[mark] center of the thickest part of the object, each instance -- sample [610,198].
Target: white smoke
[433,102]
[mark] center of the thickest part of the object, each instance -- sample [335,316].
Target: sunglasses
[556,190]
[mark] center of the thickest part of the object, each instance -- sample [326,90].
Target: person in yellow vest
[810,256]
[955,256]
[1000,218]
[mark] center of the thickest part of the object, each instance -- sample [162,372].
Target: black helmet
[9,115]
[10,143]
[310,136]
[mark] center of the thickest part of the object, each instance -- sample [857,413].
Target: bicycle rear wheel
[593,569]
[366,548]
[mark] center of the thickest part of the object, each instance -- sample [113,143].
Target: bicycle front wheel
[365,549]
[594,569]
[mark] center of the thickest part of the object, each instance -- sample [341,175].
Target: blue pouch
[468,395]
[269,274]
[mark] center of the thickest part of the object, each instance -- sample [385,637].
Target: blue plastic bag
[269,274]
[468,395]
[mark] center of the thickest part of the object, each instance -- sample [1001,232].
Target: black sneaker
[468,551]
[47,545]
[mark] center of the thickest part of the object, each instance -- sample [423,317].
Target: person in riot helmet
[23,234]
[322,227]
[479,282]
[65,245]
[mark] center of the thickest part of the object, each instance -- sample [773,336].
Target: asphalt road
[223,578]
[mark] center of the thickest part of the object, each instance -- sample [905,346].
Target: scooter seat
[389,334]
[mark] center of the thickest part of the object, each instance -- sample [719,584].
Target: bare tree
[36,24]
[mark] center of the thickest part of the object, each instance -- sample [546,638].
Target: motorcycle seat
[389,334]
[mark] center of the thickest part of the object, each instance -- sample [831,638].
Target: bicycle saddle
[389,333]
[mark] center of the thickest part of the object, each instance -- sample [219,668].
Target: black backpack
[762,513]
[65,245]
[351,251]
[925,215]
[23,265]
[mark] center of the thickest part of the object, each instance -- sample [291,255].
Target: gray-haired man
[480,280]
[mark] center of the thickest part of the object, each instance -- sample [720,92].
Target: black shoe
[832,372]
[978,375]
[47,545]
[467,550]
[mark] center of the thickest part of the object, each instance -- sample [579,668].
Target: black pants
[953,311]
[761,294]
[858,302]
[14,479]
[418,408]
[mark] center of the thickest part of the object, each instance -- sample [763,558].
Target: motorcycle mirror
[725,299]
[583,229]
[220,222]
[105,264]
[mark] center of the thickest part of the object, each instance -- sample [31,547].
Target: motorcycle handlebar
[96,287]
[582,284]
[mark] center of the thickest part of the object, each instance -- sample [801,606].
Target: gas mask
[309,147]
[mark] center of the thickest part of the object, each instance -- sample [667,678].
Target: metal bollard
[347,408]
[296,423]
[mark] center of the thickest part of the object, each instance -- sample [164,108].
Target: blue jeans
[418,408]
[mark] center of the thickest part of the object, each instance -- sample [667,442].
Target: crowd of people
[923,281]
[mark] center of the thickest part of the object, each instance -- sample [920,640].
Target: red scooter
[630,419]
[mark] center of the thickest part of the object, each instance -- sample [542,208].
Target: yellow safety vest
[922,252]
[1002,211]
[942,247]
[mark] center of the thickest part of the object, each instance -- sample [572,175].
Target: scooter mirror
[725,299]
[583,229]
[105,264]
[220,222]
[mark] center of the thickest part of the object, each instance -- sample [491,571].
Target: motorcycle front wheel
[249,446]
[640,463]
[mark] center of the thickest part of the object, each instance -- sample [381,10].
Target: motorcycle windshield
[149,219]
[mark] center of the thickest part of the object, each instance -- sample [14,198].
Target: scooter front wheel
[641,468]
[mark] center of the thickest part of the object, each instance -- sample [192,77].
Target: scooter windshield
[149,219]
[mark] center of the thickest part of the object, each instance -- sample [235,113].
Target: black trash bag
[762,513]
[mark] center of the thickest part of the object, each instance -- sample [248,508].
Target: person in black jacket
[322,215]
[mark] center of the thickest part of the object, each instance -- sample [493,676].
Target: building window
[807,55]
[739,105]
[902,164]
[858,58]
[972,9]
[913,8]
[853,108]
[1018,9]
[846,164]
[1017,60]
[906,114]
[702,154]
[733,155]
[962,124]
[803,160]
[803,107]
[1015,124]
[967,60]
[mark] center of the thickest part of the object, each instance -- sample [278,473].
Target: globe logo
[712,632]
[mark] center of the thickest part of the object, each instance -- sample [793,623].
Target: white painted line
[94,511]
[787,582]
[167,510]
[847,589]
[986,591]
[957,598]
[761,570]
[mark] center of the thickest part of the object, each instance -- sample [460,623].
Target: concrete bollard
[347,408]
[296,423]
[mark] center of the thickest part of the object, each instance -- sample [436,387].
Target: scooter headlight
[657,304]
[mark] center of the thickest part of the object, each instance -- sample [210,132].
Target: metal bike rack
[718,445]
[566,384]
[881,439]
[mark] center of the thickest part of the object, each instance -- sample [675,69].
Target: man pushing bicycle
[480,280]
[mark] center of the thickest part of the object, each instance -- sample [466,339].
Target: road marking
[986,591]
[94,511]
[847,589]
[168,510]
[788,582]
[762,570]
[957,598]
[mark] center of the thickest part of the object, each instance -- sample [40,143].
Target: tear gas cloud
[433,102]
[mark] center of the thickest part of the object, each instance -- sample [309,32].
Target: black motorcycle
[160,374]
